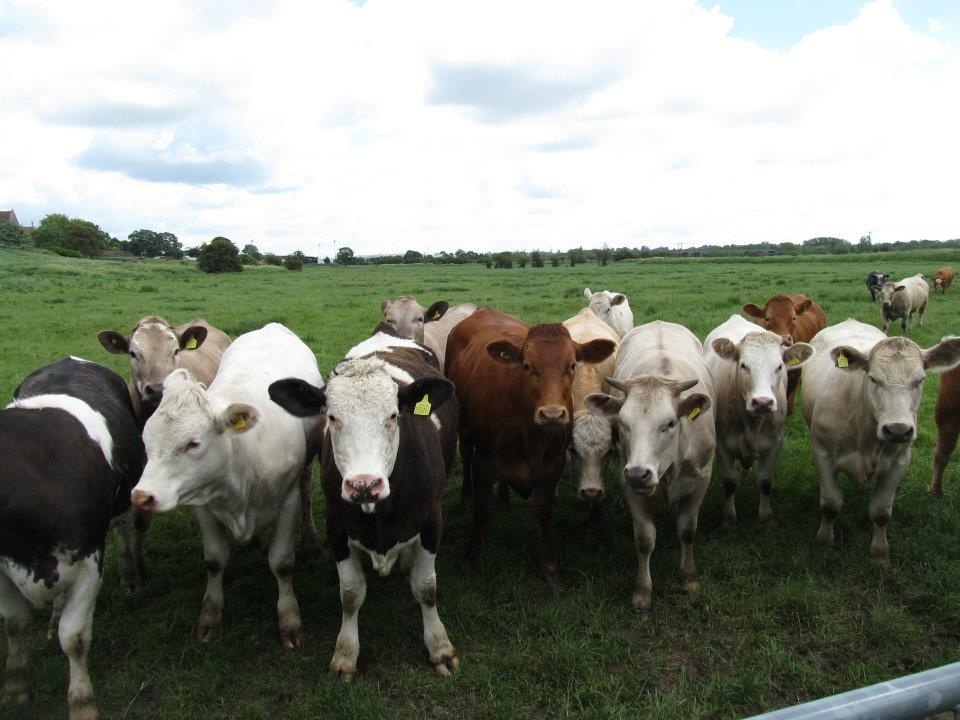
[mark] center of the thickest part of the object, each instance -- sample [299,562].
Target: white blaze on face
[760,371]
[590,447]
[649,432]
[894,387]
[405,316]
[153,354]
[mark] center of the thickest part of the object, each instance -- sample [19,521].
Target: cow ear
[504,351]
[875,287]
[693,406]
[586,293]
[384,305]
[238,418]
[726,348]
[618,299]
[595,351]
[603,404]
[752,310]
[436,311]
[797,354]
[804,307]
[424,396]
[942,356]
[193,337]
[298,397]
[899,288]
[846,358]
[114,342]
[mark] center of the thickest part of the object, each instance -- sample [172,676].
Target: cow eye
[573,368]
[133,355]
[873,380]
[391,322]
[331,418]
[420,320]
[766,319]
[669,426]
[743,366]
[191,445]
[393,416]
[526,368]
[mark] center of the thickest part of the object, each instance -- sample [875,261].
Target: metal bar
[903,698]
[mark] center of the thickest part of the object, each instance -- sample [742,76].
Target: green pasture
[775,622]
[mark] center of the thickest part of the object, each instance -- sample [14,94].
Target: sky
[387,125]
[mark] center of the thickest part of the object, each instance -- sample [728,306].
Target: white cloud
[934,25]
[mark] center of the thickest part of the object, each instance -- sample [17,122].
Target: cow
[667,438]
[903,299]
[71,452]
[611,307]
[426,326]
[592,441]
[795,318]
[947,414]
[874,280]
[749,367]
[514,385]
[388,449]
[943,279]
[860,399]
[236,458]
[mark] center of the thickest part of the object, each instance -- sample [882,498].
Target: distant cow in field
[795,318]
[611,307]
[592,441]
[388,447]
[860,399]
[667,438]
[514,383]
[903,299]
[943,279]
[749,368]
[236,458]
[874,280]
[948,426]
[426,326]
[71,450]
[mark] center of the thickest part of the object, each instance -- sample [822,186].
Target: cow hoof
[551,575]
[641,602]
[84,710]
[343,671]
[936,491]
[690,585]
[131,583]
[291,636]
[447,664]
[207,630]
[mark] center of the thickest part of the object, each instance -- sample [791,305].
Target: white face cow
[590,448]
[601,303]
[407,317]
[887,292]
[762,363]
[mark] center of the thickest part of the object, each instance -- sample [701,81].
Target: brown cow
[516,410]
[948,426]
[943,279]
[795,318]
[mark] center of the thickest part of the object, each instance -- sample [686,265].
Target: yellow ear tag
[422,407]
[191,343]
[240,424]
[693,413]
[504,355]
[842,361]
[436,315]
[793,361]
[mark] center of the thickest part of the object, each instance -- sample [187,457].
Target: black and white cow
[388,448]
[70,452]
[874,280]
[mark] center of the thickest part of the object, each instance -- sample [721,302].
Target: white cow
[667,438]
[749,368]
[861,391]
[238,459]
[611,307]
[903,299]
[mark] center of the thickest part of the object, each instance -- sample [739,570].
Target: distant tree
[71,237]
[576,256]
[149,243]
[192,251]
[219,255]
[488,261]
[603,256]
[11,234]
[326,261]
[247,259]
[503,260]
[271,259]
[555,260]
[251,250]
[536,259]
[412,256]
[294,261]
[522,258]
[345,256]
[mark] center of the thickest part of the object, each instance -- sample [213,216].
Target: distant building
[311,260]
[9,216]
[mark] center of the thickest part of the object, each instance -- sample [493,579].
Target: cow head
[779,315]
[893,374]
[888,293]
[938,281]
[187,441]
[590,448]
[363,405]
[547,361]
[762,361]
[649,417]
[154,349]
[603,302]
[407,317]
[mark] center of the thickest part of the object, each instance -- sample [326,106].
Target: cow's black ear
[193,337]
[436,311]
[424,396]
[114,342]
[298,397]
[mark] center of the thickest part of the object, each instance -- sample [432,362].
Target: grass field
[775,622]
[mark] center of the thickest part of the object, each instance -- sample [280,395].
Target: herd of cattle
[231,429]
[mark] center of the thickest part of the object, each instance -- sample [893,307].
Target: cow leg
[793,382]
[831,498]
[766,466]
[129,572]
[482,501]
[281,559]
[310,548]
[423,583]
[688,514]
[466,457]
[353,591]
[923,309]
[141,524]
[947,432]
[881,508]
[75,633]
[543,498]
[728,473]
[645,538]
[216,554]
[15,611]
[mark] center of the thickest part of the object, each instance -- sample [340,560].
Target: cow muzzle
[642,480]
[885,304]
[144,501]
[365,489]
[897,432]
[762,405]
[590,495]
[551,415]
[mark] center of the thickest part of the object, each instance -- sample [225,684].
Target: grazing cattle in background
[611,307]
[948,426]
[903,299]
[236,458]
[749,367]
[514,384]
[874,280]
[592,437]
[429,327]
[795,318]
[71,451]
[667,438]
[860,399]
[943,279]
[388,447]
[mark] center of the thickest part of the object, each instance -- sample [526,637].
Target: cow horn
[617,385]
[684,385]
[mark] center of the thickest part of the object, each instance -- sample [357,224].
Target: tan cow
[426,326]
[861,391]
[943,279]
[903,299]
[592,442]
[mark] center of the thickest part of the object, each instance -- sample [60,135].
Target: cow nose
[762,405]
[640,479]
[143,501]
[551,415]
[364,488]
[153,392]
[591,495]
[885,303]
[897,432]
[786,340]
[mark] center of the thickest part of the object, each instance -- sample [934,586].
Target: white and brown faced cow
[388,449]
[749,368]
[611,307]
[427,326]
[860,399]
[903,299]
[667,438]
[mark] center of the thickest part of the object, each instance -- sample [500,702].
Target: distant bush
[219,255]
[271,259]
[294,261]
[11,234]
[70,237]
[536,258]
[247,259]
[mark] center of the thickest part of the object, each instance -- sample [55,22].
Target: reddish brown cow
[516,409]
[948,426]
[943,279]
[795,318]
